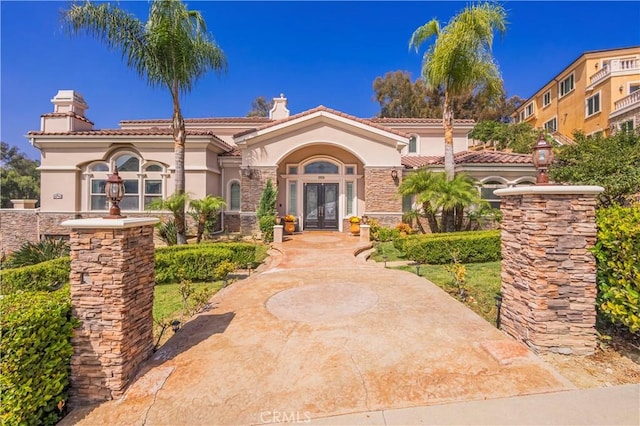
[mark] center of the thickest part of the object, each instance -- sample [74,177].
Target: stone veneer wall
[381,195]
[548,273]
[17,227]
[251,191]
[231,222]
[112,281]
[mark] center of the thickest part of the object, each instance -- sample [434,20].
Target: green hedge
[469,247]
[617,253]
[35,355]
[45,276]
[243,253]
[193,265]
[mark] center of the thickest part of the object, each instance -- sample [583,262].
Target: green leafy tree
[398,97]
[611,162]
[205,213]
[260,107]
[172,49]
[421,183]
[460,60]
[19,176]
[175,203]
[518,137]
[266,212]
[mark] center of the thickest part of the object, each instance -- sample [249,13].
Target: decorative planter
[289,227]
[355,228]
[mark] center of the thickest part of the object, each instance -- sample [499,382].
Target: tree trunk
[431,218]
[459,218]
[179,139]
[447,122]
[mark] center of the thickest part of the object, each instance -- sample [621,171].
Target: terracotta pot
[289,227]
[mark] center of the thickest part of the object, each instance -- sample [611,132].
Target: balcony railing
[615,66]
[627,100]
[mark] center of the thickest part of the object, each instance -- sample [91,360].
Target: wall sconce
[394,175]
[247,172]
[114,190]
[621,88]
[542,158]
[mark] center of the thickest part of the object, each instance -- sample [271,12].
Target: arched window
[140,188]
[486,192]
[321,168]
[234,196]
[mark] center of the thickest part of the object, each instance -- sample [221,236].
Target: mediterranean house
[599,92]
[327,165]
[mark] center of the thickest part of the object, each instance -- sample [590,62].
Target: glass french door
[321,206]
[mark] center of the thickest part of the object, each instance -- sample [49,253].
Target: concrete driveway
[318,333]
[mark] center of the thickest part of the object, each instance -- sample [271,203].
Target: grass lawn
[483,282]
[386,249]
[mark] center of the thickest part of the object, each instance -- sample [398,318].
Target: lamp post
[542,157]
[114,190]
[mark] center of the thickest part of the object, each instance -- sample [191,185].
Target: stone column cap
[99,222]
[550,190]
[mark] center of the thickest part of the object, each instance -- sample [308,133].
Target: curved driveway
[319,332]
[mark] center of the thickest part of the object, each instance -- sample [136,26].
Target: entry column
[112,282]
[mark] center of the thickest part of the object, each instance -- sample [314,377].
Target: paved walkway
[320,333]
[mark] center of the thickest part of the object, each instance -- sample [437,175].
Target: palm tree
[452,197]
[421,183]
[204,212]
[172,49]
[459,61]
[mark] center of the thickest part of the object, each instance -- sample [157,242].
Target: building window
[486,193]
[321,168]
[234,196]
[522,115]
[546,99]
[413,144]
[140,188]
[349,210]
[566,85]
[593,105]
[98,197]
[551,125]
[350,170]
[528,110]
[626,126]
[292,170]
[293,198]
[634,87]
[407,203]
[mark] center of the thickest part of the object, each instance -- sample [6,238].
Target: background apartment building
[598,92]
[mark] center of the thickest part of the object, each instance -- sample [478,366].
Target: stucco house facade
[327,165]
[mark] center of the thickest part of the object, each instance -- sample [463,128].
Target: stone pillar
[548,273]
[381,194]
[278,231]
[112,282]
[251,187]
[365,233]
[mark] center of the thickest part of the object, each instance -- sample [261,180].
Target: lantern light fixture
[542,158]
[114,190]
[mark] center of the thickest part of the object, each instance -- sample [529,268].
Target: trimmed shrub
[469,247]
[387,234]
[45,276]
[617,253]
[35,356]
[243,253]
[192,265]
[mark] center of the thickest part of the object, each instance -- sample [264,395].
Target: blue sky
[315,53]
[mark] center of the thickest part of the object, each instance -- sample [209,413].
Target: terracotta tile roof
[391,120]
[68,114]
[153,131]
[235,152]
[323,108]
[468,157]
[233,120]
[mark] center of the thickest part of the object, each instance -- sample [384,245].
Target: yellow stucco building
[598,92]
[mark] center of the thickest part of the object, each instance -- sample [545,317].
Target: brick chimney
[279,110]
[68,113]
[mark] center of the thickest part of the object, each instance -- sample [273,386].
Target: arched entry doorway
[321,190]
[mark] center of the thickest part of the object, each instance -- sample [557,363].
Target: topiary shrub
[469,247]
[35,356]
[45,276]
[617,253]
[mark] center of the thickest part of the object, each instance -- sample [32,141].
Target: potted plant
[289,224]
[355,225]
